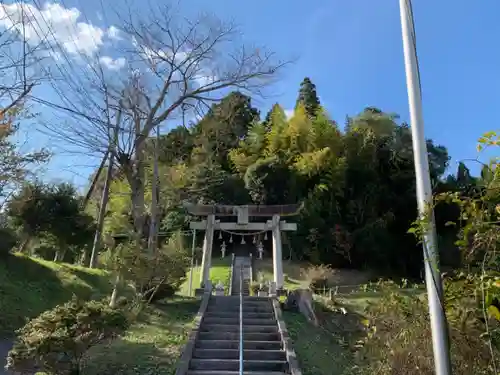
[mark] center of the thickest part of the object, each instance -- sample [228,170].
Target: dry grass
[400,341]
[299,275]
[387,333]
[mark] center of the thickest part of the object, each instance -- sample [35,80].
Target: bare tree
[18,77]
[174,66]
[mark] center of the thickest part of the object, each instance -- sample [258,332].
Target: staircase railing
[241,320]
[231,275]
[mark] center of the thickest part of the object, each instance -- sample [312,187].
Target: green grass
[322,350]
[29,286]
[220,270]
[151,346]
[292,272]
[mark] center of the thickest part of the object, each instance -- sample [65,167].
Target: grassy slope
[329,348]
[30,286]
[151,346]
[319,352]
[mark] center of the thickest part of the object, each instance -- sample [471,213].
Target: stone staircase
[240,262]
[216,350]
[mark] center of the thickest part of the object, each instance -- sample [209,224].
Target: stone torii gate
[275,225]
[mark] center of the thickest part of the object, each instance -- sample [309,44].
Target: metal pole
[241,320]
[192,263]
[439,327]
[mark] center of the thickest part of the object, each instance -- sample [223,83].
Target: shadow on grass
[26,289]
[125,357]
[326,349]
[94,285]
[30,286]
[152,346]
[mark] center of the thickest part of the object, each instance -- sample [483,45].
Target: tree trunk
[153,227]
[102,212]
[135,176]
[59,256]
[24,244]
[84,257]
[93,184]
[114,294]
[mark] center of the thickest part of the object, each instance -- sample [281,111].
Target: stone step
[236,328]
[236,303]
[252,336]
[236,321]
[264,355]
[235,344]
[234,365]
[236,315]
[247,309]
[251,310]
[237,298]
[219,372]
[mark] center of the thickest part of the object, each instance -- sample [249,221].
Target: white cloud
[114,33]
[53,25]
[289,113]
[112,64]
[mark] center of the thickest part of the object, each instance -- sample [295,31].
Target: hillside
[152,345]
[29,286]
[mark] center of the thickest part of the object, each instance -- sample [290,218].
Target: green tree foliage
[225,124]
[39,209]
[357,187]
[56,341]
[308,97]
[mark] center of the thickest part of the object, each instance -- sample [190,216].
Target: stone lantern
[223,249]
[260,249]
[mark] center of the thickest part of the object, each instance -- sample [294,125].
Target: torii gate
[275,225]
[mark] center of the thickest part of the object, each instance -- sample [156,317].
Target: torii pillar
[277,253]
[207,251]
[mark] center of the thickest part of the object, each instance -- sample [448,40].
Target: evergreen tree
[308,97]
[268,119]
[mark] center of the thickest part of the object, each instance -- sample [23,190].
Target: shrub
[155,275]
[319,277]
[254,288]
[398,341]
[56,340]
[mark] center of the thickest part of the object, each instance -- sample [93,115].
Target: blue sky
[352,51]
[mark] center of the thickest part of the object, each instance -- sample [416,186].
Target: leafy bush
[169,270]
[155,275]
[319,277]
[56,340]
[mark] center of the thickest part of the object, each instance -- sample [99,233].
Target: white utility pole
[439,326]
[192,263]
